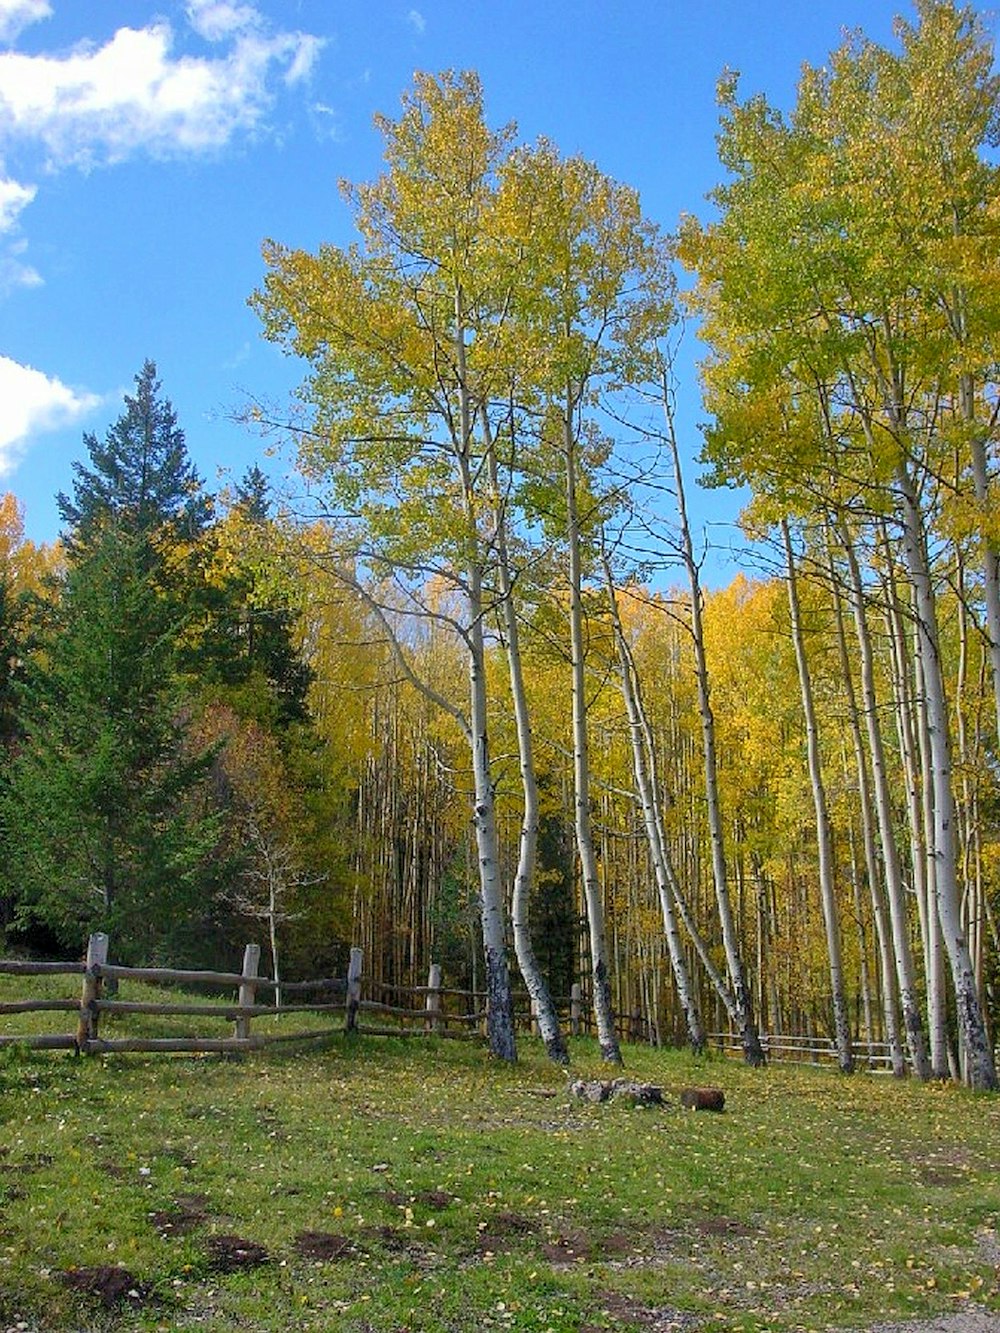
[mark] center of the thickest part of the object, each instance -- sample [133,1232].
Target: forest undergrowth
[380,1185]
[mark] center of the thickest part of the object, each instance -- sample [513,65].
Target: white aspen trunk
[824,834]
[990,551]
[499,1001]
[970,833]
[603,1014]
[859,917]
[745,1023]
[972,1028]
[272,931]
[499,1004]
[909,1000]
[524,876]
[887,973]
[934,968]
[653,821]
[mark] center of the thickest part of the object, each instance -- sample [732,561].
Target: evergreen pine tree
[104,812]
[141,479]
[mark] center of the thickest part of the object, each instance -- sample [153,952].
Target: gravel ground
[973,1320]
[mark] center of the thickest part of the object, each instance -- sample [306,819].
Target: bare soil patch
[230,1254]
[188,1213]
[112,1286]
[324,1245]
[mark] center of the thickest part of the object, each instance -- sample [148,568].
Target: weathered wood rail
[818,1051]
[94,1003]
[434,1009]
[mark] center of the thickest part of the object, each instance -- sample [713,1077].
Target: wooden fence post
[353,990]
[433,1003]
[575,1008]
[97,954]
[535,1029]
[248,989]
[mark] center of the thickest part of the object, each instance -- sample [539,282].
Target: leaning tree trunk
[824,836]
[603,1014]
[909,999]
[977,1053]
[745,1023]
[642,763]
[887,971]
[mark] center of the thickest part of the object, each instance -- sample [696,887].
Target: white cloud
[102,103]
[13,197]
[14,272]
[416,20]
[306,53]
[217,19]
[18,14]
[32,403]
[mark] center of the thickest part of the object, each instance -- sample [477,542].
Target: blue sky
[146,150]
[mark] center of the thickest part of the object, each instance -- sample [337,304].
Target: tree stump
[703,1099]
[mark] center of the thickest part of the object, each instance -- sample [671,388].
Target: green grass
[467,1196]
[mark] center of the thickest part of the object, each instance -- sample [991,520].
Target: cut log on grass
[607,1090]
[703,1099]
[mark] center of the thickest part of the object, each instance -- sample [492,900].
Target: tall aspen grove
[467,691]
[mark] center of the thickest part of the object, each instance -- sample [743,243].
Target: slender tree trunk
[934,968]
[524,876]
[603,1013]
[990,549]
[864,978]
[883,942]
[499,1001]
[908,995]
[976,1048]
[642,762]
[824,834]
[499,1004]
[272,930]
[745,1022]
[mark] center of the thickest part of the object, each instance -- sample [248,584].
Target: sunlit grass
[461,1195]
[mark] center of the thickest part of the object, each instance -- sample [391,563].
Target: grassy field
[375,1186]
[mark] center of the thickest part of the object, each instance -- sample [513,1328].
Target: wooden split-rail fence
[433,1009]
[338,1002]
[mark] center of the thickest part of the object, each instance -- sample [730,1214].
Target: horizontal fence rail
[98,1000]
[787,1048]
[341,1004]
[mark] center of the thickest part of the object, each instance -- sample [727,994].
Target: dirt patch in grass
[187,1213]
[436,1199]
[943,1176]
[499,1234]
[633,1314]
[403,1241]
[567,1247]
[230,1254]
[324,1245]
[28,1165]
[727,1227]
[112,1286]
